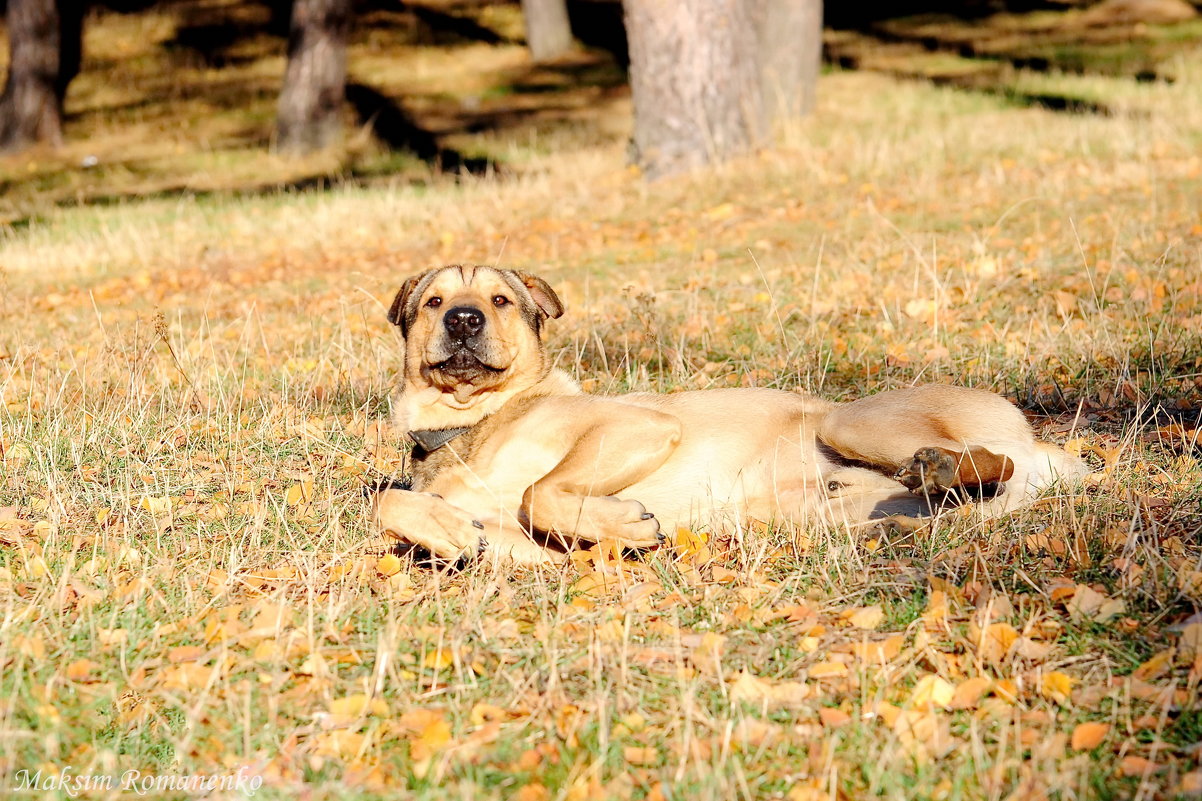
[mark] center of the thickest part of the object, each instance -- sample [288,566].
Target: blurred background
[135,98]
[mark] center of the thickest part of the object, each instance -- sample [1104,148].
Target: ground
[194,389]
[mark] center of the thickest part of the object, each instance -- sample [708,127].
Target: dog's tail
[1044,466]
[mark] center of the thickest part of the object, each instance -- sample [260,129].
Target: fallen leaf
[969,692]
[1056,686]
[932,691]
[993,641]
[746,688]
[640,755]
[1138,766]
[864,617]
[81,670]
[353,706]
[833,717]
[1088,736]
[828,670]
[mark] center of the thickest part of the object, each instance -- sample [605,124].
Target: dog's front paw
[424,519]
[930,472]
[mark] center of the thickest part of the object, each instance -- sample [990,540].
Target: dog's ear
[542,293]
[400,313]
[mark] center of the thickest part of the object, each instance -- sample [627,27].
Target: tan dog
[510,458]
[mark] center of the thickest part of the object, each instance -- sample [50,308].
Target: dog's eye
[833,486]
[434,302]
[499,301]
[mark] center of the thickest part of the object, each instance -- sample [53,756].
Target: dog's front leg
[450,533]
[576,499]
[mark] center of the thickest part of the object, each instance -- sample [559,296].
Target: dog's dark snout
[463,322]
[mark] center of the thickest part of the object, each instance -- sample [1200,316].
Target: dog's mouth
[463,376]
[464,364]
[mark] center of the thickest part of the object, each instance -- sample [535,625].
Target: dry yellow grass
[193,389]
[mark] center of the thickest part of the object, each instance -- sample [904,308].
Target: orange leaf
[638,755]
[833,717]
[81,670]
[828,670]
[185,653]
[1138,766]
[1088,736]
[969,692]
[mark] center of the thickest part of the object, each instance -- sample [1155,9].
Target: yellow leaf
[431,732]
[691,546]
[186,676]
[1156,666]
[993,642]
[156,506]
[1056,686]
[439,658]
[388,565]
[878,652]
[636,755]
[358,704]
[937,609]
[751,689]
[1007,690]
[828,670]
[32,645]
[299,494]
[1088,736]
[864,617]
[339,743]
[487,713]
[601,584]
[931,691]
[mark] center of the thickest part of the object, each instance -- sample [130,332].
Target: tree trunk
[790,34]
[548,32]
[44,48]
[695,82]
[310,109]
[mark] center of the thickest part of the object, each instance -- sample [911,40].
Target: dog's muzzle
[463,322]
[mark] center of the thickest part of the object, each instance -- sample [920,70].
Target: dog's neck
[430,409]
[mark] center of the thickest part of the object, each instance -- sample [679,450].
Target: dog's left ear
[543,295]
[398,314]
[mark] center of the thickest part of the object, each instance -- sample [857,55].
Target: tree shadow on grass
[395,128]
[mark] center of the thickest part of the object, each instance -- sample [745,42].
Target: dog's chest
[425,465]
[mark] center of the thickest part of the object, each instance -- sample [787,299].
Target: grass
[197,382]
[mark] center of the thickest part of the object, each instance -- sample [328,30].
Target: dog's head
[473,331]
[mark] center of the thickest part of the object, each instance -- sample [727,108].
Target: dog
[511,460]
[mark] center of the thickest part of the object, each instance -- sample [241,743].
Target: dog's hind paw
[931,471]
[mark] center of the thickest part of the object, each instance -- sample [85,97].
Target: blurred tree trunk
[695,82]
[309,116]
[44,55]
[548,31]
[790,47]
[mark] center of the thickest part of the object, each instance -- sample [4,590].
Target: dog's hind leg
[932,438]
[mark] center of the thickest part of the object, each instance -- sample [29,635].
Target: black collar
[430,440]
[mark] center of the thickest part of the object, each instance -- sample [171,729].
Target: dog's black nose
[463,322]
